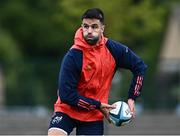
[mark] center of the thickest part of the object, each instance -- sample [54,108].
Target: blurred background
[35,35]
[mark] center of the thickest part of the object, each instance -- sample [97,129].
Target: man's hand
[131,104]
[105,108]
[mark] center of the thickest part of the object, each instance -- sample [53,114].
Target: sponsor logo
[127,111]
[57,120]
[126,49]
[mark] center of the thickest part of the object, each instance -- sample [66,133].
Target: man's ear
[102,28]
[81,26]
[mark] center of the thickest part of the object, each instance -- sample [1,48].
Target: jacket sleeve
[68,81]
[126,58]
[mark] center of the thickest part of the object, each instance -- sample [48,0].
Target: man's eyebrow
[95,24]
[84,24]
[89,25]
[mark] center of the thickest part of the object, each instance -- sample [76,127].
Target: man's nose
[90,30]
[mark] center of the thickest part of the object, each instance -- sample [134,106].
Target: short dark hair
[94,13]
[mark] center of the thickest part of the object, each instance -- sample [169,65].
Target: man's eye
[94,26]
[86,26]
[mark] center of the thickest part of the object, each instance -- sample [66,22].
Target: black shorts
[65,123]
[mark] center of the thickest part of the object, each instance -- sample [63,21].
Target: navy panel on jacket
[68,80]
[126,58]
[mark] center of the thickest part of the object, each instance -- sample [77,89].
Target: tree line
[35,34]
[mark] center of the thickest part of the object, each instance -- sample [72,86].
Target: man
[85,79]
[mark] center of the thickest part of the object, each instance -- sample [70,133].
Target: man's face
[92,30]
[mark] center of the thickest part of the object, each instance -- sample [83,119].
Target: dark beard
[91,41]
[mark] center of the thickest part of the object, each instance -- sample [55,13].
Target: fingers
[133,113]
[104,105]
[105,109]
[132,107]
[106,114]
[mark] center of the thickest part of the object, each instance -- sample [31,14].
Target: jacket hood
[80,42]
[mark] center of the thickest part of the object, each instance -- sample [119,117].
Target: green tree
[35,35]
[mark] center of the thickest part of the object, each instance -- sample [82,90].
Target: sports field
[34,123]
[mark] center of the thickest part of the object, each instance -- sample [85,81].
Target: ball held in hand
[121,115]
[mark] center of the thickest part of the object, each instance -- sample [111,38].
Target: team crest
[88,68]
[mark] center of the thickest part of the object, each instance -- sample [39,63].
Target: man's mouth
[90,37]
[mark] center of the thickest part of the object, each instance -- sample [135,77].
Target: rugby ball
[121,115]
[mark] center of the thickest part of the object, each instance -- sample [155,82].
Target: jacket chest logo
[88,68]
